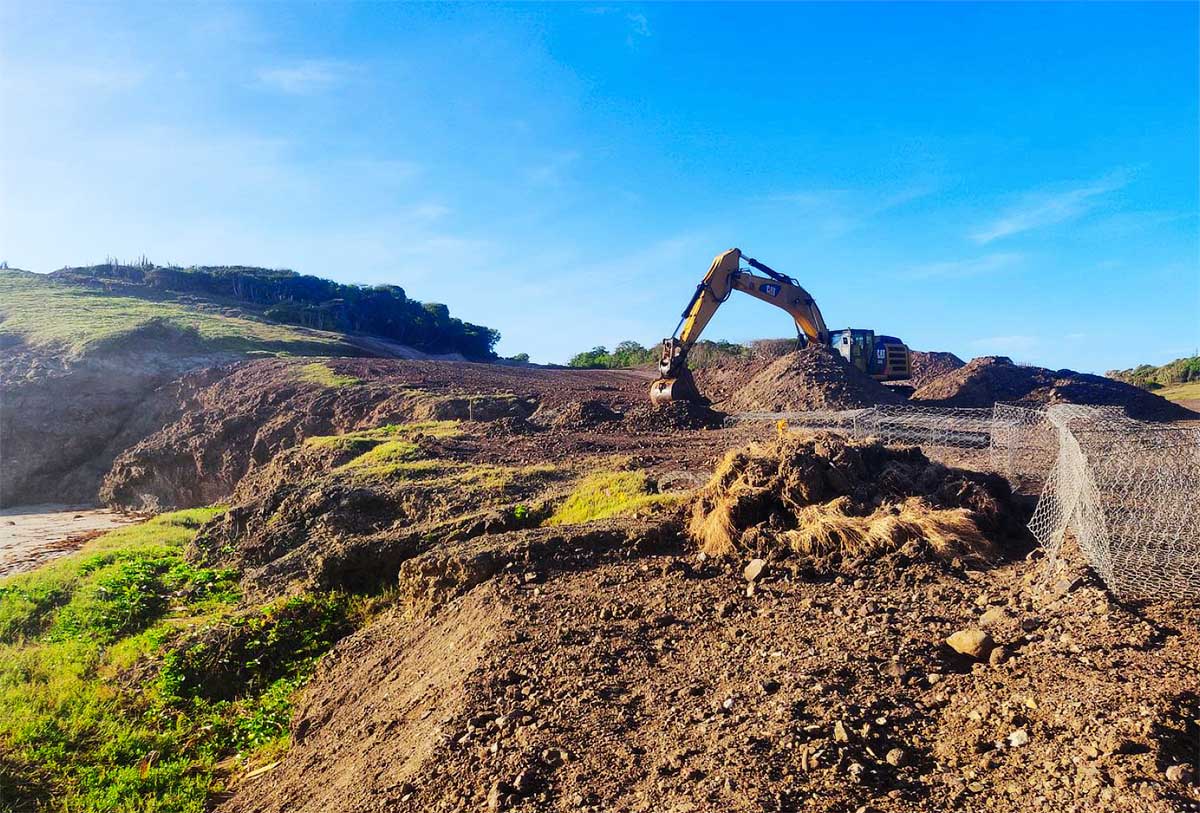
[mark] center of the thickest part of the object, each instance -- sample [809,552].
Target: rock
[1018,738]
[1179,773]
[770,686]
[998,656]
[974,643]
[856,771]
[755,570]
[896,757]
[840,734]
[498,795]
[524,782]
[555,756]
[994,616]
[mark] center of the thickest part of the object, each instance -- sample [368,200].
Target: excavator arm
[723,278]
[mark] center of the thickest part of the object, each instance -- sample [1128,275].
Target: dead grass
[824,497]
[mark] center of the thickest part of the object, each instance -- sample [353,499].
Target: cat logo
[769,288]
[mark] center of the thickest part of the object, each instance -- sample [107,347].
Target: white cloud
[639,26]
[303,78]
[1047,208]
[969,267]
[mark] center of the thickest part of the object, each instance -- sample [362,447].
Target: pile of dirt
[672,416]
[814,378]
[577,415]
[836,500]
[929,364]
[987,380]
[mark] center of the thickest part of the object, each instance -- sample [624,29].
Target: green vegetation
[129,680]
[75,320]
[369,438]
[285,296]
[1149,377]
[1181,392]
[609,494]
[632,354]
[321,373]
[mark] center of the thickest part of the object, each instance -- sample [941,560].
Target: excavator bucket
[680,388]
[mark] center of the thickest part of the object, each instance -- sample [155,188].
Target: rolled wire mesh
[1127,492]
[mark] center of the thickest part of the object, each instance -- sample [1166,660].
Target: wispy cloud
[303,78]
[968,267]
[834,212]
[638,25]
[1049,207]
[552,171]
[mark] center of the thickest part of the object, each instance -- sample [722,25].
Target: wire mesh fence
[1126,492]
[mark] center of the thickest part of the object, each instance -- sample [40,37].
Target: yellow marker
[781,426]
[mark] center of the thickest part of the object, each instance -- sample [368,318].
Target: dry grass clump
[826,497]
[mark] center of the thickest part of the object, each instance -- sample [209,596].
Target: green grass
[609,494]
[76,320]
[320,373]
[130,680]
[1181,392]
[369,438]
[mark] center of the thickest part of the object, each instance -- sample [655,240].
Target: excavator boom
[724,276]
[883,357]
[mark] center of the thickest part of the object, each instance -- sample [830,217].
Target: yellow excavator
[884,358]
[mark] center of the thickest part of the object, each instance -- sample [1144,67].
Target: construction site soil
[930,364]
[990,379]
[562,632]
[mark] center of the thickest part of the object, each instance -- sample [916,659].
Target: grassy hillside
[283,296]
[73,319]
[1164,380]
[132,680]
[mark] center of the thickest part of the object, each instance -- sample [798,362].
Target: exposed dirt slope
[929,364]
[813,378]
[234,422]
[624,679]
[65,418]
[988,379]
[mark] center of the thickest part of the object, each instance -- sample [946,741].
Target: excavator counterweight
[888,361]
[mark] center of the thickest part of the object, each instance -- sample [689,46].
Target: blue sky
[1016,179]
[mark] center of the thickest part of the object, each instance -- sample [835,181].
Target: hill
[85,353]
[1178,380]
[283,296]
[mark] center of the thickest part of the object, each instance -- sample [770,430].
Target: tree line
[300,299]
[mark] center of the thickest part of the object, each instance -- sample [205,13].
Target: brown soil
[991,379]
[839,502]
[237,419]
[64,420]
[810,379]
[600,674]
[929,364]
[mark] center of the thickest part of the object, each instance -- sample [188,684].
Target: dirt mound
[577,415]
[834,500]
[671,416]
[813,378]
[929,364]
[987,380]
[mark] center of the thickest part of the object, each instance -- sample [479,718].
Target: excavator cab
[884,358]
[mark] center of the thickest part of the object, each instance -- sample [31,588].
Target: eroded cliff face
[63,419]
